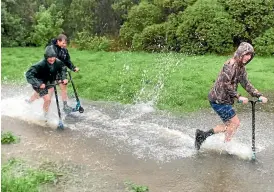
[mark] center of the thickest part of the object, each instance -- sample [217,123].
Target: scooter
[60,123]
[78,106]
[253,103]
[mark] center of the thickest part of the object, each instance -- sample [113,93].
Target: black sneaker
[199,138]
[67,109]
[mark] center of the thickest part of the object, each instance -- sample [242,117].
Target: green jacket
[43,72]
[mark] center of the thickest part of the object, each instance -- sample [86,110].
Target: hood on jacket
[244,49]
[50,52]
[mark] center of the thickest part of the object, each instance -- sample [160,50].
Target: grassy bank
[172,81]
[16,176]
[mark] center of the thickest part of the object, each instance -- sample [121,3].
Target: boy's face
[62,43]
[51,60]
[246,58]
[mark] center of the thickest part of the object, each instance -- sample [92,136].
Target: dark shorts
[226,112]
[42,92]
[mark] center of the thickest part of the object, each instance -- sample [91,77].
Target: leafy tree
[173,6]
[122,7]
[81,16]
[49,23]
[255,15]
[15,28]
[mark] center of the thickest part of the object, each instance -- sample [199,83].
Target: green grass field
[171,81]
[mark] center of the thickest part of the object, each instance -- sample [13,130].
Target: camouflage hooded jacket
[233,72]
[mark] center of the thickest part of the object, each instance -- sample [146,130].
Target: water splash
[139,130]
[153,84]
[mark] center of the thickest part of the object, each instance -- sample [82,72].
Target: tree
[173,6]
[121,9]
[49,23]
[12,29]
[81,16]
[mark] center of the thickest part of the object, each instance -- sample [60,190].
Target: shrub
[264,44]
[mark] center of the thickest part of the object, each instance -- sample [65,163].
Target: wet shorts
[226,112]
[42,92]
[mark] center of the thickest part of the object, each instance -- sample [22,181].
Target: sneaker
[46,116]
[199,138]
[27,101]
[67,109]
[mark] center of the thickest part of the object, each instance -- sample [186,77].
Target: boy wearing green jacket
[44,73]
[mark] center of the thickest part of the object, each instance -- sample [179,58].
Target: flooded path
[113,143]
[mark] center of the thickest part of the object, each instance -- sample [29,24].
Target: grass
[8,138]
[132,187]
[17,177]
[171,81]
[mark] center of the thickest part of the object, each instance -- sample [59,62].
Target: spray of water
[136,128]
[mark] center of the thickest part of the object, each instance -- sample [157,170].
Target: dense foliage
[188,26]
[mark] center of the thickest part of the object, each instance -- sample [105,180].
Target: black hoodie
[62,54]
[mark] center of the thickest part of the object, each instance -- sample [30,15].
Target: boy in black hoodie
[43,73]
[59,45]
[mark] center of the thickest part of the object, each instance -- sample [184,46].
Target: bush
[264,44]
[255,15]
[139,17]
[153,38]
[85,41]
[206,27]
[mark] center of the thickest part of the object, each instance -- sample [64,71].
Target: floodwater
[152,147]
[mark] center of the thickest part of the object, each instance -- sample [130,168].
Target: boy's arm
[226,76]
[31,77]
[62,70]
[68,62]
[248,86]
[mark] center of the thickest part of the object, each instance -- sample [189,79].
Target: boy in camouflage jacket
[224,92]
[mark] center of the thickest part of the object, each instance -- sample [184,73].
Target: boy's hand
[42,86]
[263,99]
[65,82]
[76,69]
[243,100]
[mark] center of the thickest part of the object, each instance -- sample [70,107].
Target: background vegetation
[188,26]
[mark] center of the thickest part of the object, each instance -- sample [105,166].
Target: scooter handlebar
[258,100]
[54,84]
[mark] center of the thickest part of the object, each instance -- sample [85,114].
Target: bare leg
[220,128]
[47,100]
[64,92]
[34,96]
[231,128]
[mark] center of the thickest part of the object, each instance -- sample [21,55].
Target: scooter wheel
[253,158]
[60,126]
[81,109]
